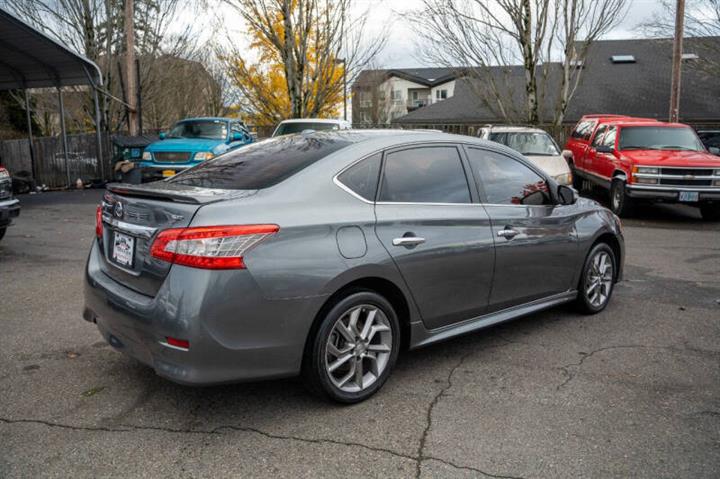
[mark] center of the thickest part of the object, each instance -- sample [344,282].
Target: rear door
[439,239]
[535,243]
[579,140]
[590,161]
[605,162]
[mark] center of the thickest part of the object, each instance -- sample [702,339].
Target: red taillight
[209,247]
[178,343]
[98,222]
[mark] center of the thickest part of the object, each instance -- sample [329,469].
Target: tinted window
[535,144]
[506,180]
[362,178]
[299,127]
[599,135]
[210,129]
[425,175]
[262,164]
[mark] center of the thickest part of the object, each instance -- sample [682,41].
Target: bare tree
[313,41]
[485,40]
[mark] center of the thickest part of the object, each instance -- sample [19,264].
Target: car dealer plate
[689,196]
[123,249]
[168,173]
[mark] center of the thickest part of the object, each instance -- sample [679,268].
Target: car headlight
[147,156]
[202,156]
[716,173]
[647,170]
[563,179]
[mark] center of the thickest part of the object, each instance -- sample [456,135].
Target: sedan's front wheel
[354,349]
[597,280]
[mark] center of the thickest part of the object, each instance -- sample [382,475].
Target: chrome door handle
[408,241]
[508,233]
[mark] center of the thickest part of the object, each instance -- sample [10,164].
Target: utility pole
[131,68]
[677,61]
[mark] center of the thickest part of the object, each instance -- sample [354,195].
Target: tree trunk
[130,68]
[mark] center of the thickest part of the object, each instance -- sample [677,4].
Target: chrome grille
[172,156]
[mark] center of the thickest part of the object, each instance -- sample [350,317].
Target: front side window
[362,177]
[609,138]
[598,136]
[529,144]
[507,181]
[207,129]
[658,138]
[432,174]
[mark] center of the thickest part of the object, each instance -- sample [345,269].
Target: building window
[365,117]
[440,94]
[396,95]
[365,100]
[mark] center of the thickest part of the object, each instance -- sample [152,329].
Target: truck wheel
[709,212]
[620,203]
[577,180]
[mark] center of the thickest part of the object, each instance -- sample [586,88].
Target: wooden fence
[51,168]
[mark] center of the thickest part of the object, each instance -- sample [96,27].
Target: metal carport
[31,59]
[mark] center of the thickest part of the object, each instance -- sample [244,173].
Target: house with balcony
[381,96]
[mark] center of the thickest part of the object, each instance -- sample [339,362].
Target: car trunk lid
[132,216]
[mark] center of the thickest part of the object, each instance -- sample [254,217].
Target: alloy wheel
[598,282]
[358,348]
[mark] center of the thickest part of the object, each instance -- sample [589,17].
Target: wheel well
[619,174]
[381,286]
[612,242]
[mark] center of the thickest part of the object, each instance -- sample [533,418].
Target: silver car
[326,253]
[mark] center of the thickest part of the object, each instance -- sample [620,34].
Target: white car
[536,144]
[298,125]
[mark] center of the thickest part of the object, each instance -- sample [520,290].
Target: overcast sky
[400,50]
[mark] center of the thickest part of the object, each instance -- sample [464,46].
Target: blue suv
[189,142]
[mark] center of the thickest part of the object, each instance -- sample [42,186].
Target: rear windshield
[262,164]
[298,127]
[529,144]
[658,138]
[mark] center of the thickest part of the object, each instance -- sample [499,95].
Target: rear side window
[598,136]
[362,177]
[432,174]
[507,181]
[583,130]
[261,165]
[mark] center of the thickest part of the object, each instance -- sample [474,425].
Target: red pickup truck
[644,160]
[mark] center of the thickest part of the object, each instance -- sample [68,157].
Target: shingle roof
[639,89]
[424,76]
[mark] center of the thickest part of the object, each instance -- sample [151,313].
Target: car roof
[519,129]
[313,120]
[653,123]
[211,118]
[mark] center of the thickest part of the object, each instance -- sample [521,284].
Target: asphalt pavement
[631,392]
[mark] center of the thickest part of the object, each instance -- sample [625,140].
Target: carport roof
[31,59]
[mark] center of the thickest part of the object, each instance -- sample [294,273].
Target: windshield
[298,127]
[658,138]
[530,144]
[209,129]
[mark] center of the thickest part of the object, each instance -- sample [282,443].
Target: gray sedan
[326,253]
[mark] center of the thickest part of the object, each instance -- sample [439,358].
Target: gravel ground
[631,392]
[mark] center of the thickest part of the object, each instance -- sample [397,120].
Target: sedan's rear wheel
[710,212]
[597,280]
[354,349]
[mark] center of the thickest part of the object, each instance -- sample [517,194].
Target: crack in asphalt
[569,375]
[218,431]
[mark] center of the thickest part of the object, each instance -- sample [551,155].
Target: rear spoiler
[177,193]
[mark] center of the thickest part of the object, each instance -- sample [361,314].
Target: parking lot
[631,392]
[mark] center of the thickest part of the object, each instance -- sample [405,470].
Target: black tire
[315,372]
[620,203]
[2,232]
[584,302]
[577,181]
[710,212]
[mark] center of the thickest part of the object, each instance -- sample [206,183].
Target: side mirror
[714,150]
[162,135]
[237,136]
[604,149]
[567,195]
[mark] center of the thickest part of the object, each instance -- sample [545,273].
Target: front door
[535,242]
[439,239]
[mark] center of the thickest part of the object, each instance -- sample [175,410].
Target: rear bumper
[234,333]
[671,194]
[9,209]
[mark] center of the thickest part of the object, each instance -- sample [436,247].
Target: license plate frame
[168,173]
[688,196]
[123,250]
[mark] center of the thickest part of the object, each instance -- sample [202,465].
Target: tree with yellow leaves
[306,50]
